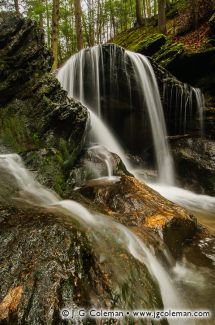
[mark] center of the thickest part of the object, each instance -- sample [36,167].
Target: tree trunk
[139,17]
[41,15]
[55,33]
[16,4]
[162,16]
[194,13]
[78,14]
[48,24]
[155,7]
[148,8]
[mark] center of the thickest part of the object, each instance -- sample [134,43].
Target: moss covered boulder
[150,44]
[169,53]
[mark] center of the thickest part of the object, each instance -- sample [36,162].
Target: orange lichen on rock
[10,301]
[143,210]
[155,221]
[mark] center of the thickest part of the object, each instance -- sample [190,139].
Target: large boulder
[23,55]
[49,262]
[136,205]
[35,113]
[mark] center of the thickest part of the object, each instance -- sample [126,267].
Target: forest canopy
[71,25]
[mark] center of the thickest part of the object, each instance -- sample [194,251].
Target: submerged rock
[137,206]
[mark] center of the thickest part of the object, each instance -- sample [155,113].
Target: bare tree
[139,16]
[55,33]
[78,14]
[162,16]
[194,8]
[16,4]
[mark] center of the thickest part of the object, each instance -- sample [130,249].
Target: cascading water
[83,77]
[102,134]
[200,105]
[103,154]
[183,104]
[146,77]
[31,192]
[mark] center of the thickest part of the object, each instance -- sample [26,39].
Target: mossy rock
[151,44]
[48,166]
[169,53]
[130,38]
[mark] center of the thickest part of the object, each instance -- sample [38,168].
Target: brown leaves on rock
[196,40]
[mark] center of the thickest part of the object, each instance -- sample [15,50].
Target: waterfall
[104,136]
[146,77]
[30,191]
[84,76]
[183,104]
[200,101]
[104,155]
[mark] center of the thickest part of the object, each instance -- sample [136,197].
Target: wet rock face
[35,112]
[45,267]
[137,206]
[195,163]
[48,263]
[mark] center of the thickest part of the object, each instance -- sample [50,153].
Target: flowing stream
[25,188]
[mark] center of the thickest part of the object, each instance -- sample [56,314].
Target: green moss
[48,163]
[131,38]
[168,53]
[36,138]
[63,147]
[150,44]
[15,133]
